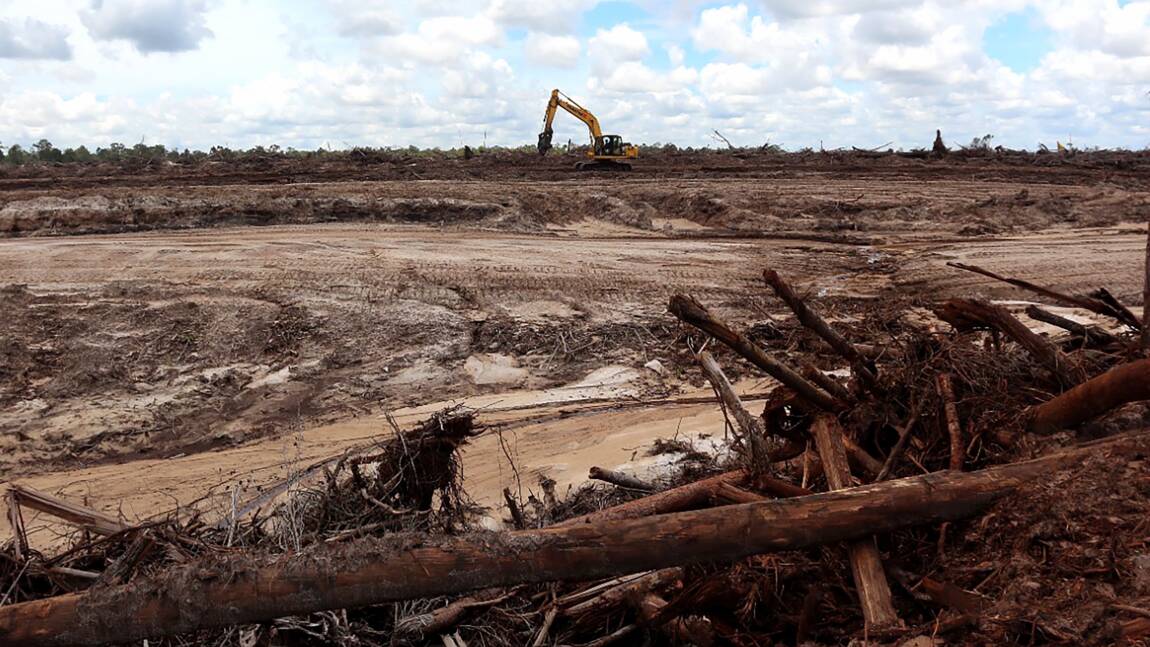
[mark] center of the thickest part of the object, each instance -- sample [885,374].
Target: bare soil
[157,346]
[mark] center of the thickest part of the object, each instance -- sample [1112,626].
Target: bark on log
[950,415]
[692,312]
[813,321]
[826,383]
[1114,388]
[1125,314]
[447,618]
[1086,303]
[1092,335]
[751,427]
[866,564]
[861,458]
[700,494]
[203,595]
[77,515]
[619,479]
[1146,296]
[965,314]
[728,493]
[513,507]
[621,594]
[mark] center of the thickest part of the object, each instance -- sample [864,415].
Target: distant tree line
[44,152]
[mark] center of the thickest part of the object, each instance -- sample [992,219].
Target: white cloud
[479,76]
[442,39]
[785,9]
[635,77]
[555,16]
[33,39]
[149,25]
[552,51]
[1122,31]
[442,72]
[364,18]
[618,44]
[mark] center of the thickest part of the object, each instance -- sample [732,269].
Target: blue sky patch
[1019,40]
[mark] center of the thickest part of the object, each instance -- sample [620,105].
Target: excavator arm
[560,100]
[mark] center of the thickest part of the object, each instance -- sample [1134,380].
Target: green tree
[115,152]
[17,155]
[46,152]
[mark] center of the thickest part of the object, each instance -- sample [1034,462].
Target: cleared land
[189,336]
[138,346]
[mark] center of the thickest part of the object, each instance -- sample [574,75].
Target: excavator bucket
[545,141]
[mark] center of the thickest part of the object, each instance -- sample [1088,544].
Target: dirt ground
[159,347]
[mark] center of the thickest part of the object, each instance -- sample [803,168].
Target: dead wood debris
[919,401]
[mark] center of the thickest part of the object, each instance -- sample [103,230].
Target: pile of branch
[799,536]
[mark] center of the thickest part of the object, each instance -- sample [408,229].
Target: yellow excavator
[607,153]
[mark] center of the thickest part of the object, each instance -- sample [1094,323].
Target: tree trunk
[1114,388]
[231,590]
[692,312]
[1086,303]
[965,314]
[866,564]
[813,321]
[1146,296]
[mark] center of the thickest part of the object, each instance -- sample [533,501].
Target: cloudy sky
[339,73]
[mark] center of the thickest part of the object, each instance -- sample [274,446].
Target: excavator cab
[611,145]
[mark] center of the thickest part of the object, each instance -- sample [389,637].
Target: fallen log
[1086,303]
[814,322]
[699,494]
[620,594]
[950,415]
[1092,335]
[224,591]
[968,314]
[1114,388]
[1146,296]
[692,312]
[866,564]
[826,382]
[619,479]
[77,515]
[1124,314]
[751,428]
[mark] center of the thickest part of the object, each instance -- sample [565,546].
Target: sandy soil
[148,370]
